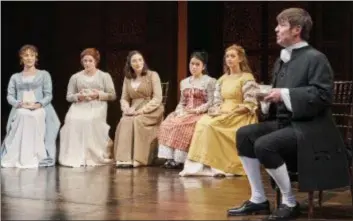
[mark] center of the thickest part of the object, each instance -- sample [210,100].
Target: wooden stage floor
[149,193]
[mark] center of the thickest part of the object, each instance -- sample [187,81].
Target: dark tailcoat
[322,161]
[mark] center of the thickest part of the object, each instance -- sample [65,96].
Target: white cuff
[286,98]
[265,107]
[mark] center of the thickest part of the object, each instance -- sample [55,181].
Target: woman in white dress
[33,125]
[84,138]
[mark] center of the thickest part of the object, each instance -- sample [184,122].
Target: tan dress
[136,136]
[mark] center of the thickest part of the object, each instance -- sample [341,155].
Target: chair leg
[320,198]
[278,197]
[351,178]
[311,204]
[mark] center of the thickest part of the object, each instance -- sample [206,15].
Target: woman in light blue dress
[33,124]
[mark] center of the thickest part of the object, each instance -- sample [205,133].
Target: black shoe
[168,164]
[177,166]
[284,212]
[125,166]
[250,208]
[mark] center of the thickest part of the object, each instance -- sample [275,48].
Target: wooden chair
[153,156]
[342,107]
[165,88]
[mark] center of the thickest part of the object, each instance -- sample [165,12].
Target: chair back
[165,88]
[342,110]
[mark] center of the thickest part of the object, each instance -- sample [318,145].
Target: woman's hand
[94,95]
[139,112]
[36,106]
[129,111]
[192,111]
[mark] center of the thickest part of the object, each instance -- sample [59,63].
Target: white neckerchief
[286,53]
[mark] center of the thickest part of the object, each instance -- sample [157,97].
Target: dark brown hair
[128,71]
[92,52]
[297,17]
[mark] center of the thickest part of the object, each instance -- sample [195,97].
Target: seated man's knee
[243,144]
[243,133]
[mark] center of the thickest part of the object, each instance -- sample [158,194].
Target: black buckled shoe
[250,208]
[284,212]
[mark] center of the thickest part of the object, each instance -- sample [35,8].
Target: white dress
[25,143]
[84,138]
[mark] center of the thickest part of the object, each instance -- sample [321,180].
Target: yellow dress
[213,146]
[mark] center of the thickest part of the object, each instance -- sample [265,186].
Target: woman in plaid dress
[176,131]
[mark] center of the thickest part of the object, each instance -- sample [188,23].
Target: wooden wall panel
[242,24]
[335,19]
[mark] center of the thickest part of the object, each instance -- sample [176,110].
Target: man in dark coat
[299,127]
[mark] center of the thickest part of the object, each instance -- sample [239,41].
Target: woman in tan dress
[196,97]
[141,104]
[212,149]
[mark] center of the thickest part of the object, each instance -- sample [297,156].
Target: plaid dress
[177,129]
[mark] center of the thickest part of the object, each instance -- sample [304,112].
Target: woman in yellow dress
[213,147]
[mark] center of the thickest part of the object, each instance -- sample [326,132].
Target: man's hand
[274,96]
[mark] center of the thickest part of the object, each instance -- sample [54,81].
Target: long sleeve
[249,99]
[156,100]
[72,92]
[217,97]
[308,101]
[125,99]
[249,89]
[109,90]
[12,92]
[47,90]
[210,93]
[182,101]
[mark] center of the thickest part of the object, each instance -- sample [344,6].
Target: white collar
[286,53]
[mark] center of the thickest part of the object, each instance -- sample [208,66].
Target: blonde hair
[25,48]
[243,64]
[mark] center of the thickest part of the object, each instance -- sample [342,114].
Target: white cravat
[286,54]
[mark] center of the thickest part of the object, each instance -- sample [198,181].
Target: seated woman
[212,151]
[33,125]
[141,104]
[196,97]
[84,138]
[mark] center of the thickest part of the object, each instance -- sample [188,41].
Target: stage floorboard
[148,193]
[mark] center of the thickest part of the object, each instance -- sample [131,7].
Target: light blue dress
[41,85]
